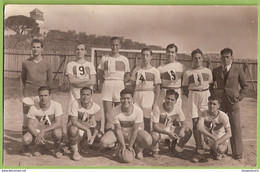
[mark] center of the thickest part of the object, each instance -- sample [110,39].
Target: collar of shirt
[228,67]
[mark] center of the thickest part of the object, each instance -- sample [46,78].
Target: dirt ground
[96,158]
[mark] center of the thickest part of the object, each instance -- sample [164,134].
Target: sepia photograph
[130,86]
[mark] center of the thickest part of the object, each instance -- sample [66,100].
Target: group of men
[139,117]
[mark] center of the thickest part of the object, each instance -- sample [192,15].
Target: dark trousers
[233,113]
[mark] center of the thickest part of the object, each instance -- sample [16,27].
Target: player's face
[80,51]
[170,100]
[226,59]
[85,96]
[44,96]
[146,57]
[171,54]
[197,60]
[126,100]
[115,45]
[36,49]
[213,105]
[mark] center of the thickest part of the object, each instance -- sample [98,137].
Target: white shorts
[111,90]
[144,99]
[197,102]
[31,100]
[163,93]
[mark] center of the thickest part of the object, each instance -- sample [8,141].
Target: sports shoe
[25,151]
[155,154]
[76,156]
[37,153]
[198,158]
[58,153]
[219,157]
[140,155]
[178,149]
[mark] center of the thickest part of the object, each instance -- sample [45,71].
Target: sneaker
[140,155]
[76,156]
[40,150]
[219,157]
[178,149]
[37,153]
[155,154]
[198,158]
[25,151]
[58,153]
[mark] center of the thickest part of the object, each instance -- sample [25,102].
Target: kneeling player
[169,123]
[214,125]
[85,117]
[127,118]
[44,120]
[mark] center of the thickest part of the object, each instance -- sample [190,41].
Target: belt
[145,90]
[171,88]
[200,90]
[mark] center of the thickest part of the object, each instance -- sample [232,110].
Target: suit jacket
[236,77]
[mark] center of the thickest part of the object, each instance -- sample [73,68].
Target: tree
[19,24]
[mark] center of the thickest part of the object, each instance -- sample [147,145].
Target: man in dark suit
[226,81]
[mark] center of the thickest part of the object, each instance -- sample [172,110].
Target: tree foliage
[19,24]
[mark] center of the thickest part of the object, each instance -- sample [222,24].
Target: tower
[37,15]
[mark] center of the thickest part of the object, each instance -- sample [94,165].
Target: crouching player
[127,118]
[169,124]
[85,118]
[214,125]
[44,120]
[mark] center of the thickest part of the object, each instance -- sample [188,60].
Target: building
[37,15]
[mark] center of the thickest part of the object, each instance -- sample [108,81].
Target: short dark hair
[197,51]
[147,49]
[226,50]
[115,38]
[172,92]
[37,41]
[126,91]
[86,88]
[42,88]
[214,97]
[80,43]
[172,46]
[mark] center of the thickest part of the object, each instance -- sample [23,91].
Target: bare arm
[183,127]
[133,135]
[31,126]
[119,135]
[202,129]
[96,131]
[225,136]
[127,77]
[86,83]
[75,122]
[156,94]
[82,82]
[40,136]
[161,128]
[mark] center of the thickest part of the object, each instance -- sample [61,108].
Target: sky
[210,28]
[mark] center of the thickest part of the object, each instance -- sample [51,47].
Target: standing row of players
[156,94]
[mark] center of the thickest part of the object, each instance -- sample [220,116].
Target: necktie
[225,72]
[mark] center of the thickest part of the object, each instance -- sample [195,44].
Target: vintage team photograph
[130,86]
